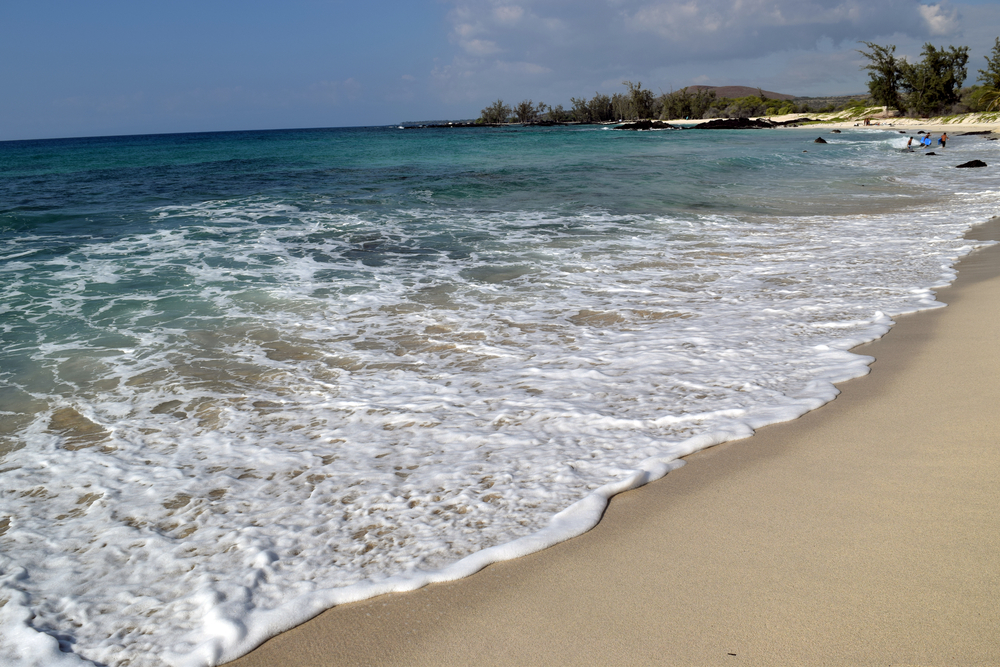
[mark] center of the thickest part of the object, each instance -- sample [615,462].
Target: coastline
[957,125]
[829,539]
[971,123]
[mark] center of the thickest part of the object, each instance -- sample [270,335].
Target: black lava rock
[647,125]
[736,124]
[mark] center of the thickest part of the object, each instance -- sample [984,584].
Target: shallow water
[249,375]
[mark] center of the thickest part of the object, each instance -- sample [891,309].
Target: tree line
[933,85]
[929,87]
[637,103]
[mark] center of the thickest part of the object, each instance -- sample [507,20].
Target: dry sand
[864,533]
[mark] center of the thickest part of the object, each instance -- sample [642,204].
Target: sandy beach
[954,125]
[864,533]
[914,125]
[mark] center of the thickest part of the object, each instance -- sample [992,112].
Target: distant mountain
[740,91]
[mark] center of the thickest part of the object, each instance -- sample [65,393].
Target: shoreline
[829,539]
[905,125]
[911,125]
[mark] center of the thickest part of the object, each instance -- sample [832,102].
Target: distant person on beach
[943,139]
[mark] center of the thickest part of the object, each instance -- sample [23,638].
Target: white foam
[289,419]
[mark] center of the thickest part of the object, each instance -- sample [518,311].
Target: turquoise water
[246,376]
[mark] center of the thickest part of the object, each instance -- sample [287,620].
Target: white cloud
[465,30]
[508,14]
[479,47]
[554,49]
[939,20]
[522,68]
[673,21]
[741,20]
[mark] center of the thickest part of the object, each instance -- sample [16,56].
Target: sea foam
[255,410]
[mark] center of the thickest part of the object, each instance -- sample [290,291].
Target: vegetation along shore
[929,90]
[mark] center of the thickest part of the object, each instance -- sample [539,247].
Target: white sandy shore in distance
[911,125]
[954,125]
[864,533]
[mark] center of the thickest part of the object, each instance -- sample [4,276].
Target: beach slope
[866,532]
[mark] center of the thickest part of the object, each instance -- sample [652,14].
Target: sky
[116,67]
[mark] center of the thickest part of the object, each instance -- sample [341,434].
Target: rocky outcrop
[646,125]
[971,164]
[819,140]
[736,124]
[748,124]
[793,123]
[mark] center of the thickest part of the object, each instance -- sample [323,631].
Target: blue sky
[104,67]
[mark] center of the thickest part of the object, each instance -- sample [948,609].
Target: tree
[883,74]
[639,102]
[525,112]
[619,106]
[991,75]
[496,113]
[933,84]
[745,107]
[581,110]
[990,99]
[685,104]
[558,114]
[600,108]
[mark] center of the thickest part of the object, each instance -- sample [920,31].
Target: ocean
[248,376]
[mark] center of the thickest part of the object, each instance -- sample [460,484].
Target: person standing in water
[943,139]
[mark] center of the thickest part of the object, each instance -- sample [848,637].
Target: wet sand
[865,533]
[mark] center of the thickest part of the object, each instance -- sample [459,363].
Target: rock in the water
[834,131]
[971,164]
[647,125]
[931,153]
[819,140]
[735,124]
[792,123]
